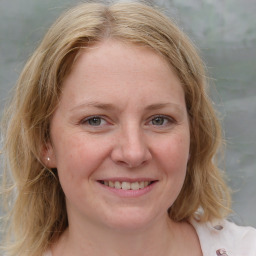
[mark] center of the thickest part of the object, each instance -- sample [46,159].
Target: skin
[122,116]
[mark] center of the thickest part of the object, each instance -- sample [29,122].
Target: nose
[131,149]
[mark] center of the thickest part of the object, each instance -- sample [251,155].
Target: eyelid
[170,119]
[85,120]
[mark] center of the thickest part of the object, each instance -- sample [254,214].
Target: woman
[110,139]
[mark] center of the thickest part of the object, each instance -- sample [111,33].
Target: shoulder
[222,234]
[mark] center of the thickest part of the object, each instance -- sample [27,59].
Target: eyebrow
[162,105]
[109,106]
[95,104]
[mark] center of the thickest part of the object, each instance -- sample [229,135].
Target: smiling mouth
[126,185]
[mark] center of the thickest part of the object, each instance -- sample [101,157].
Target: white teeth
[118,185]
[111,184]
[135,186]
[125,185]
[142,185]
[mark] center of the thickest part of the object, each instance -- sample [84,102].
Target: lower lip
[129,193]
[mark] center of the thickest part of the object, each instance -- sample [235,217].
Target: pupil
[158,121]
[95,121]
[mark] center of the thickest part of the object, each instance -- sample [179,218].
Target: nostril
[125,164]
[130,154]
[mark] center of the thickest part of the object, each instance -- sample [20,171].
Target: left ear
[48,156]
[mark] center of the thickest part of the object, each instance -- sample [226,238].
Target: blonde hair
[38,215]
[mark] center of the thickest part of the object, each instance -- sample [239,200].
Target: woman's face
[120,137]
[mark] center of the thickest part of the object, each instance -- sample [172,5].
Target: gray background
[225,33]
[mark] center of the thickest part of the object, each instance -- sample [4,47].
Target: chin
[130,219]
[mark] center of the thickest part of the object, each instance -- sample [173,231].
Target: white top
[48,253]
[222,238]
[225,238]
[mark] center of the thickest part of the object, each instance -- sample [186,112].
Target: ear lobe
[48,156]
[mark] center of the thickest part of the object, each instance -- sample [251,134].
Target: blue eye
[158,120]
[94,121]
[161,121]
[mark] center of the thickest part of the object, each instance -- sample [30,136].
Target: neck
[159,238]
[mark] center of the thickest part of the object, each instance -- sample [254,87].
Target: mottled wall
[225,33]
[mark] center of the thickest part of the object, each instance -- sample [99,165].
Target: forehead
[112,51]
[112,69]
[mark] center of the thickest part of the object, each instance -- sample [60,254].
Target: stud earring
[48,158]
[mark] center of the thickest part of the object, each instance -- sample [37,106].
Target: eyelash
[169,120]
[166,119]
[88,119]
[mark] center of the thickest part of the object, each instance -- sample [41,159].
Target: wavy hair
[38,213]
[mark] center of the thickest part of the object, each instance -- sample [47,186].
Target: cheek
[173,154]
[78,156]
